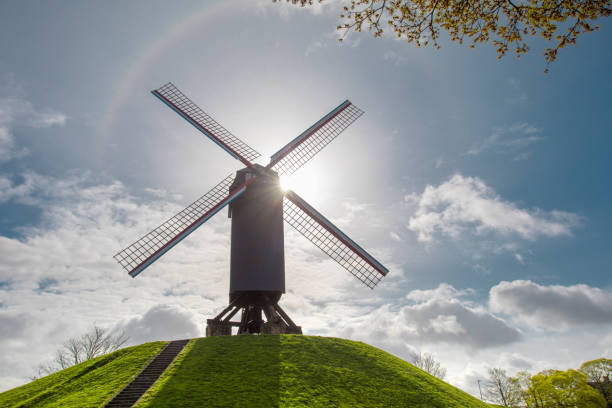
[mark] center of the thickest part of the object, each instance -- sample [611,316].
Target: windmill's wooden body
[257,206]
[257,262]
[257,248]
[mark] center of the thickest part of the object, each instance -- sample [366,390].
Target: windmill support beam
[260,313]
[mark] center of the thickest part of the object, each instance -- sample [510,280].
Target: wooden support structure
[260,313]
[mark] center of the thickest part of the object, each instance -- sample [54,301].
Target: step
[132,392]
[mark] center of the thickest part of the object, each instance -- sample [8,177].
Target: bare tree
[500,389]
[72,352]
[99,341]
[427,362]
[94,343]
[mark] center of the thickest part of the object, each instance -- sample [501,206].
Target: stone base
[279,328]
[214,328]
[295,330]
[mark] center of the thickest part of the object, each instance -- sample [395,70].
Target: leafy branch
[508,25]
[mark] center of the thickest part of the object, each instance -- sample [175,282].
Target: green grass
[251,371]
[297,371]
[236,371]
[89,384]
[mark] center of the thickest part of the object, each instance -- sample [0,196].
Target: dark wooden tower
[257,249]
[257,263]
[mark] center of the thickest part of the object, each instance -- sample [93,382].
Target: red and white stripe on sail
[181,104]
[325,235]
[142,253]
[301,149]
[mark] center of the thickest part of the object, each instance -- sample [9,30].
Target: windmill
[257,207]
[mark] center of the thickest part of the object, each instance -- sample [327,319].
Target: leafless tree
[427,362]
[94,343]
[500,389]
[99,341]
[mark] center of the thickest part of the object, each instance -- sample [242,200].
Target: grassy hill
[88,384]
[250,371]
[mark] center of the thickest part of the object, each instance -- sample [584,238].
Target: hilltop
[250,371]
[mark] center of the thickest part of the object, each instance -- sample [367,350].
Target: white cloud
[46,119]
[468,204]
[519,258]
[514,361]
[394,57]
[13,326]
[434,316]
[517,95]
[523,156]
[446,324]
[313,47]
[287,9]
[395,236]
[8,150]
[353,210]
[167,322]
[553,307]
[465,335]
[534,354]
[511,138]
[10,191]
[412,198]
[443,291]
[16,111]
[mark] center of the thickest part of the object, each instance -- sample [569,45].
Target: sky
[482,184]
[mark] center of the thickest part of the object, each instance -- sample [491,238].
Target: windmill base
[254,306]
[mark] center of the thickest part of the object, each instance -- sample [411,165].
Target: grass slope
[89,384]
[250,371]
[297,371]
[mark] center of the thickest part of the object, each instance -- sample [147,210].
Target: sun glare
[303,184]
[285,183]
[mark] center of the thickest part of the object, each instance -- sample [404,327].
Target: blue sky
[482,184]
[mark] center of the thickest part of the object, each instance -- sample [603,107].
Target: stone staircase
[128,396]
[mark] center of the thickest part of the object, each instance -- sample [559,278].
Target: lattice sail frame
[337,245]
[301,149]
[181,104]
[139,255]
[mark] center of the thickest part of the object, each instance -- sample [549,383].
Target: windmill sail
[177,101]
[142,253]
[301,149]
[258,207]
[321,232]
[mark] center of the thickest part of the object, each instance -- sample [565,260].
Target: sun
[287,183]
[305,184]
